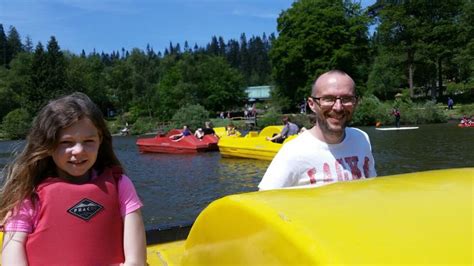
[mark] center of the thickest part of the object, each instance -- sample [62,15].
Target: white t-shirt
[307,161]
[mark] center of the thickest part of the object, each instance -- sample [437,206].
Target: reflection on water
[175,188]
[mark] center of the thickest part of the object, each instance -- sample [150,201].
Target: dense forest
[423,49]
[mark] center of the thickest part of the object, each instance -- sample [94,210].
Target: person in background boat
[208,130]
[185,132]
[65,199]
[465,121]
[288,130]
[199,133]
[125,131]
[329,151]
[230,130]
[396,114]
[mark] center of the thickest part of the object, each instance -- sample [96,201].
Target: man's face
[333,101]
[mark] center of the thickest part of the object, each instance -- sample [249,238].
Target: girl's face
[77,149]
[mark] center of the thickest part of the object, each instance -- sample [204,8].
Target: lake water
[175,188]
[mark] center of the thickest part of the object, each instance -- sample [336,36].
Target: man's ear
[311,103]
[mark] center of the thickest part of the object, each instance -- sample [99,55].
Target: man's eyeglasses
[329,101]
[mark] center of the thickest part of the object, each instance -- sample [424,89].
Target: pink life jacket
[78,224]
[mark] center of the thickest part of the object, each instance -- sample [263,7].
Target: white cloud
[254,13]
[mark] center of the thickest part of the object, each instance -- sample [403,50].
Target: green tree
[35,95]
[88,75]
[386,75]
[200,79]
[316,36]
[193,116]
[28,47]
[14,46]
[145,75]
[464,59]
[426,34]
[441,27]
[119,81]
[3,47]
[56,70]
[16,124]
[17,83]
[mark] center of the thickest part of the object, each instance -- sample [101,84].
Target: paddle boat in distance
[417,218]
[162,143]
[466,125]
[395,128]
[253,145]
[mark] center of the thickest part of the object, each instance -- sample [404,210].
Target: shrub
[302,120]
[192,115]
[432,114]
[143,125]
[370,111]
[16,124]
[271,117]
[421,113]
[467,109]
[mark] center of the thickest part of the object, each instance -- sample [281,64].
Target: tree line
[143,82]
[424,49]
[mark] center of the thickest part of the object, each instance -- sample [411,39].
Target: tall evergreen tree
[56,68]
[3,47]
[14,43]
[34,96]
[213,47]
[222,46]
[233,53]
[186,47]
[28,47]
[245,65]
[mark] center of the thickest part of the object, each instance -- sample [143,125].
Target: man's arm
[274,137]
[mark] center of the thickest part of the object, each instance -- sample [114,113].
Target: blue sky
[110,25]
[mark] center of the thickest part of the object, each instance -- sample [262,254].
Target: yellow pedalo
[253,145]
[417,218]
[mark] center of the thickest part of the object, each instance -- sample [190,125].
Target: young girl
[230,130]
[65,199]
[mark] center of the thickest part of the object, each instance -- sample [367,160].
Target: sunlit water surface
[175,188]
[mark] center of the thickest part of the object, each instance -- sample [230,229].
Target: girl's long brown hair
[35,163]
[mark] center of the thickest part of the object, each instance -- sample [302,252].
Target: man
[288,130]
[330,151]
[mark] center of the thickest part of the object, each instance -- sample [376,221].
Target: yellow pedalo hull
[253,145]
[417,218]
